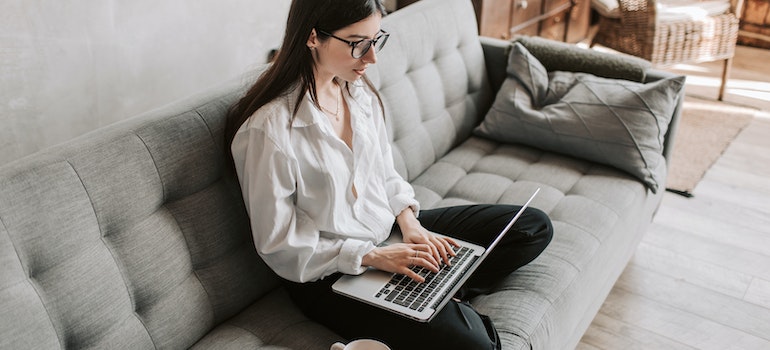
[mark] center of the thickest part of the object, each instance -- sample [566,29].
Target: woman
[311,152]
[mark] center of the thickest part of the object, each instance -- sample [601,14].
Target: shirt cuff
[351,255]
[401,202]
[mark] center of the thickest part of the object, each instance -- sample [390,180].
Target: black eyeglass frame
[383,35]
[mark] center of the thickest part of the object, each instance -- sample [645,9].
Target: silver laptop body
[379,288]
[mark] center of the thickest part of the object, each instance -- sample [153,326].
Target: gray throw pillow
[610,121]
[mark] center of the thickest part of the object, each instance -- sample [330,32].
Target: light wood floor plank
[748,180]
[676,324]
[756,133]
[733,205]
[744,156]
[738,315]
[759,293]
[727,198]
[746,163]
[694,271]
[715,229]
[610,333]
[701,249]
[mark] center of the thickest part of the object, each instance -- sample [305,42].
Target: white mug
[361,344]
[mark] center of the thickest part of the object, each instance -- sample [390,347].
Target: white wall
[70,66]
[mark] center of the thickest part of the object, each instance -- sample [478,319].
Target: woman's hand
[400,257]
[420,248]
[442,248]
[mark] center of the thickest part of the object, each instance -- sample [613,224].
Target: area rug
[706,129]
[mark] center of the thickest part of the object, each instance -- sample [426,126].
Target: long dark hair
[293,65]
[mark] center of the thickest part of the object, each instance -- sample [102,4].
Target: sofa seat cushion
[485,171]
[590,205]
[272,322]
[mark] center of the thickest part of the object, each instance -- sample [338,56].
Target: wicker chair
[638,32]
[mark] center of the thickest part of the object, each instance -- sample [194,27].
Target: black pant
[478,224]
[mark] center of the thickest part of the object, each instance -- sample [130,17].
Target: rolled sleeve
[351,255]
[402,201]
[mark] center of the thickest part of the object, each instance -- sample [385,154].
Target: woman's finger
[431,248]
[425,248]
[425,259]
[444,252]
[413,275]
[450,244]
[407,270]
[444,248]
[438,250]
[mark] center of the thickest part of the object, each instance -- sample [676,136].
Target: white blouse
[297,181]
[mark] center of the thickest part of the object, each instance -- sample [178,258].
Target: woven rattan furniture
[639,32]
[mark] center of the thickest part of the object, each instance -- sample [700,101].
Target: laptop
[420,301]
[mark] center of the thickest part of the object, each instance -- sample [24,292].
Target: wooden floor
[700,279]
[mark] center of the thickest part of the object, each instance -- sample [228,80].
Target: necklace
[336,113]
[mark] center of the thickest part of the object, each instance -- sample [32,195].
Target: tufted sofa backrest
[432,79]
[130,237]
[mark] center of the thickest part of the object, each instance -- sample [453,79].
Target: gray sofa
[135,237]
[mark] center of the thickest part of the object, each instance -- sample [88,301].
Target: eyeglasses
[359,48]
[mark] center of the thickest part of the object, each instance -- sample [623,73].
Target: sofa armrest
[673,125]
[555,55]
[496,58]
[559,56]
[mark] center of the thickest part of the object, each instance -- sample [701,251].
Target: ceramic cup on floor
[361,344]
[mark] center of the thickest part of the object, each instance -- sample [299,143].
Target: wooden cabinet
[522,17]
[579,24]
[755,24]
[563,20]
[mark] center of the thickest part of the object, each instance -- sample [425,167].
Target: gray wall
[70,66]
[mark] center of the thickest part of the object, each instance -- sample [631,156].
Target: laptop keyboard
[404,291]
